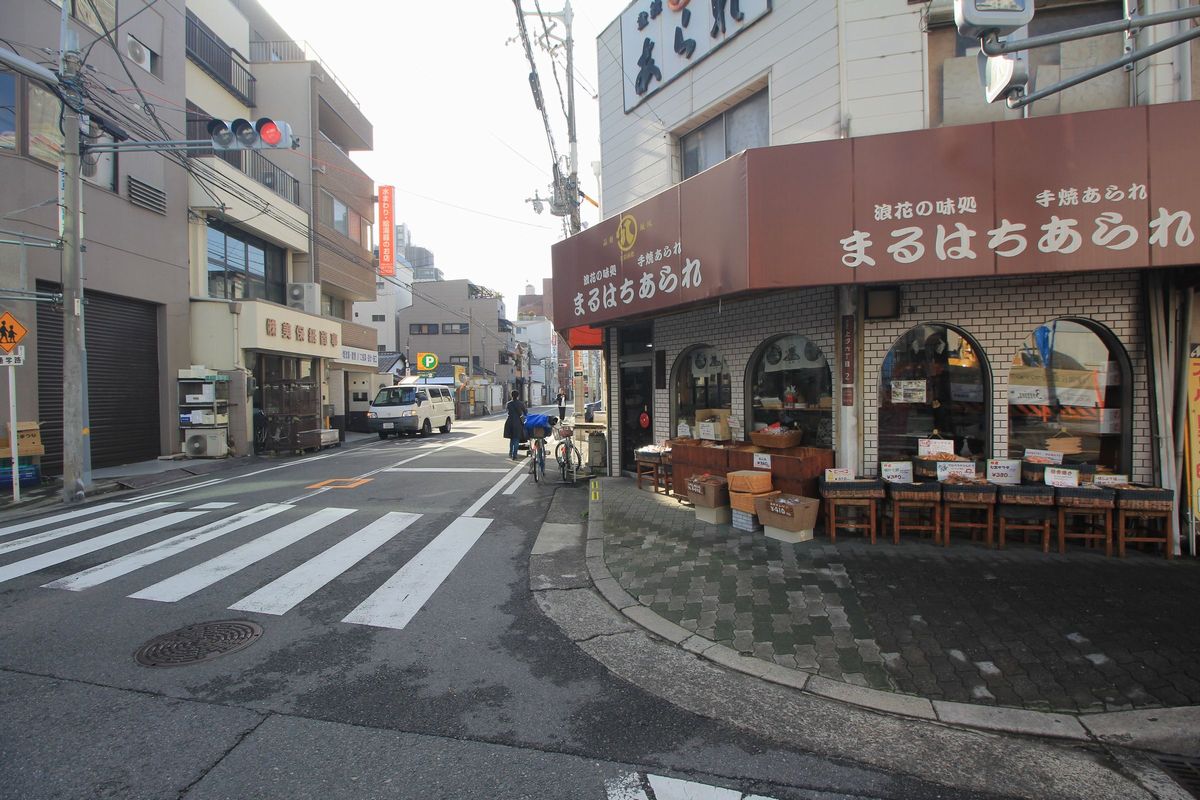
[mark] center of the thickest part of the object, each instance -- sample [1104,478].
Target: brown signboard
[1100,190]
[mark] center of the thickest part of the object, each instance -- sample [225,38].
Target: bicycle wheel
[569,460]
[541,463]
[533,461]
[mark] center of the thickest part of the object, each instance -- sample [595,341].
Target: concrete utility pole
[76,436]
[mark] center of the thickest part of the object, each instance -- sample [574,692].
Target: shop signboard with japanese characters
[662,39]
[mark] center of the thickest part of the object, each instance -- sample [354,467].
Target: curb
[1147,729]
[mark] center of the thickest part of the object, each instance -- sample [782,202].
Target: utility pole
[573,157]
[76,436]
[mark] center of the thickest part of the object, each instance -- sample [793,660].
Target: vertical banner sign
[387,230]
[847,359]
[1193,473]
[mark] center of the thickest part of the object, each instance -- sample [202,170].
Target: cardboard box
[719,515]
[749,480]
[791,537]
[788,512]
[747,501]
[713,423]
[29,441]
[744,521]
[707,491]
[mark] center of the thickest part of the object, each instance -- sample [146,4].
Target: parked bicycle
[537,428]
[568,456]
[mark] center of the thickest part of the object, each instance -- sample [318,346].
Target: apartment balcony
[206,50]
[239,195]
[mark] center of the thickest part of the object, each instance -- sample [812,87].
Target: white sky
[456,130]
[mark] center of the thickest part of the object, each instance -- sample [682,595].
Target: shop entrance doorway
[637,399]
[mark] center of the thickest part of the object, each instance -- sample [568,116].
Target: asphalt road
[402,653]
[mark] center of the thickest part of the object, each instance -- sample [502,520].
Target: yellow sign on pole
[11,332]
[427,362]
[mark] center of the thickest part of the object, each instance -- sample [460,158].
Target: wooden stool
[948,522]
[647,470]
[917,508]
[1086,532]
[832,504]
[1025,523]
[1168,520]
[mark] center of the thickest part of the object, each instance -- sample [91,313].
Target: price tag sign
[735,429]
[1062,476]
[896,471]
[1110,480]
[707,430]
[1047,456]
[927,447]
[684,431]
[762,460]
[962,469]
[1005,471]
[838,475]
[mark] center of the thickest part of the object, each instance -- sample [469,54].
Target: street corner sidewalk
[1075,646]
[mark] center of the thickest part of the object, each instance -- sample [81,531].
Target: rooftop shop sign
[1116,189]
[662,39]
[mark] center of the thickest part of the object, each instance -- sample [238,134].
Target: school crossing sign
[11,332]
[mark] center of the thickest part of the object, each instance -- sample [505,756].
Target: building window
[242,267]
[82,11]
[504,358]
[459,360]
[45,136]
[366,234]
[934,385]
[8,111]
[1068,391]
[458,328]
[335,214]
[791,384]
[378,318]
[423,329]
[703,389]
[743,126]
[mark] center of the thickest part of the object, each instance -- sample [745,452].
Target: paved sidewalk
[1077,633]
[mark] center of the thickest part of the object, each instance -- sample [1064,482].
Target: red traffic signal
[241,134]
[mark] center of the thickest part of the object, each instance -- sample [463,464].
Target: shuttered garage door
[122,344]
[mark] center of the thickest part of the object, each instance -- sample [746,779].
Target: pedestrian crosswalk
[274,528]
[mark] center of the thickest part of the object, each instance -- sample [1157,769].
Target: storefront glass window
[702,387]
[1067,393]
[934,384]
[791,385]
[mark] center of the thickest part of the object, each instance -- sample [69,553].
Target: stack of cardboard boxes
[746,498]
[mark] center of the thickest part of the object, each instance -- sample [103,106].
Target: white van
[411,409]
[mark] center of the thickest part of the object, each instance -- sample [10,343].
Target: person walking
[514,425]
[562,405]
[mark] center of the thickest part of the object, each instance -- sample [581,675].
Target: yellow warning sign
[11,332]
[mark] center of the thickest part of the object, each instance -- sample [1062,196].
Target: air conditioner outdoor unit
[206,444]
[137,52]
[304,296]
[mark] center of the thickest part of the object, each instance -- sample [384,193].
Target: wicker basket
[926,492]
[1145,498]
[777,440]
[1095,497]
[649,456]
[984,493]
[1031,495]
[858,489]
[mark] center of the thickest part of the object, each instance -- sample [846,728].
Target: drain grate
[195,643]
[1185,771]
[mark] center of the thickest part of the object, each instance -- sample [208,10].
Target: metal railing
[266,52]
[214,57]
[250,162]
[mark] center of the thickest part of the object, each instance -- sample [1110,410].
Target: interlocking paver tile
[1078,632]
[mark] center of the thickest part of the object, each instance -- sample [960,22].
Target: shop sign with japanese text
[387,230]
[662,39]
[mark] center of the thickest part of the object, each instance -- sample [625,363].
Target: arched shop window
[702,388]
[1069,391]
[934,384]
[790,384]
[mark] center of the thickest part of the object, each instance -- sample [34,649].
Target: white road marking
[444,469]
[674,789]
[158,551]
[490,493]
[512,488]
[169,492]
[35,563]
[44,521]
[203,575]
[214,506]
[284,593]
[395,603]
[79,527]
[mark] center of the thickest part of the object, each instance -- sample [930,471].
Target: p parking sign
[427,362]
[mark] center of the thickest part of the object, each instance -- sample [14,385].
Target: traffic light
[242,134]
[976,18]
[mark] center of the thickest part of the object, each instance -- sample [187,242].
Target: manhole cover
[195,643]
[1185,771]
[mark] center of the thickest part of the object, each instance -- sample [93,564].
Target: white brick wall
[999,313]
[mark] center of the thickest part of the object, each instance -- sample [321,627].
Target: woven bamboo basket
[1031,495]
[860,489]
[1094,497]
[926,492]
[776,441]
[984,493]
[651,456]
[1145,498]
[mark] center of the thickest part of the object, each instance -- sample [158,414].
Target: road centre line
[442,469]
